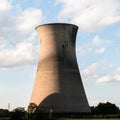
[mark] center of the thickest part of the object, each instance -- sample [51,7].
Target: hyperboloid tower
[58,83]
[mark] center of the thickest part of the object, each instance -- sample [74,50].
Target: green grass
[4,118]
[90,119]
[76,119]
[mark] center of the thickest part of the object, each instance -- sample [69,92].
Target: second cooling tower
[58,83]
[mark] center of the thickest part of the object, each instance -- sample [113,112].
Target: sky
[97,46]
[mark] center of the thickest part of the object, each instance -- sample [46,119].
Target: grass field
[90,119]
[81,119]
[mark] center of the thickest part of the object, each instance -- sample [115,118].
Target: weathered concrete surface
[58,82]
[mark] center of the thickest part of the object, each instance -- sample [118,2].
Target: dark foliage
[35,113]
[4,113]
[105,109]
[18,114]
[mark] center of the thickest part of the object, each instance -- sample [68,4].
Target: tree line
[105,109]
[35,113]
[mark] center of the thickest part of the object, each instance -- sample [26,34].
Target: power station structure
[58,83]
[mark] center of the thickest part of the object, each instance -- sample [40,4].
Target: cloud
[90,69]
[5,5]
[96,46]
[23,53]
[101,43]
[96,41]
[81,50]
[105,78]
[17,27]
[28,19]
[100,50]
[95,72]
[90,15]
[117,50]
[17,35]
[115,77]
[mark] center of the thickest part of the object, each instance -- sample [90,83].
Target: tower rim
[57,24]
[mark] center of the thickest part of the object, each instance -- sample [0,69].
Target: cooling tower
[58,83]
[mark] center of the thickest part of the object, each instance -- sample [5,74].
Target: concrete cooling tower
[58,83]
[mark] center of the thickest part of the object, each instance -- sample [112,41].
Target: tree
[18,114]
[31,108]
[35,113]
[41,114]
[105,109]
[4,113]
